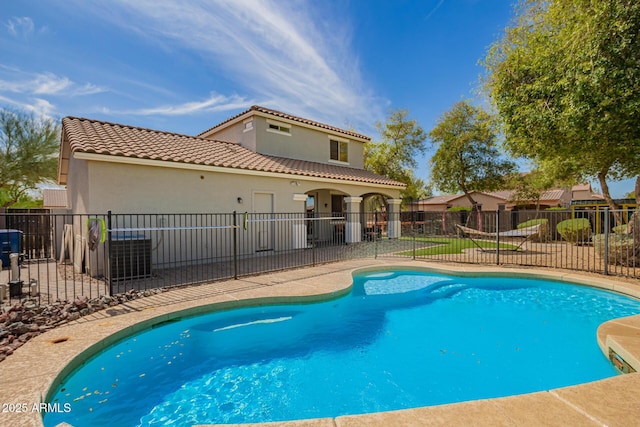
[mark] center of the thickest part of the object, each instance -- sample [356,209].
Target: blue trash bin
[10,243]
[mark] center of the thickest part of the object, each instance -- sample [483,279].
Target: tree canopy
[394,155]
[28,153]
[468,158]
[529,187]
[564,80]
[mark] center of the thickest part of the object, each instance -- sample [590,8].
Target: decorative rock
[19,328]
[14,316]
[27,319]
[16,344]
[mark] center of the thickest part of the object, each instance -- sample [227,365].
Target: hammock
[520,233]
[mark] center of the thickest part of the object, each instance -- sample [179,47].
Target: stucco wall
[487,202]
[239,134]
[98,187]
[78,186]
[428,208]
[147,189]
[301,143]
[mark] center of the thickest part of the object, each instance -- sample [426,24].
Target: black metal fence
[63,256]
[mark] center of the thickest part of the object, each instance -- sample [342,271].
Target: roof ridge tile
[290,117]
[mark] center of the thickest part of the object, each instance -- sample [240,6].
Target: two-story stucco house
[260,160]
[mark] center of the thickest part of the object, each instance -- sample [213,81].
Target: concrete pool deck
[27,375]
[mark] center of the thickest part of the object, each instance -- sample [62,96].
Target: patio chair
[524,234]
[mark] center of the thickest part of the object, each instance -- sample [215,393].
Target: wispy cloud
[35,92]
[20,26]
[44,84]
[215,102]
[41,107]
[38,106]
[435,8]
[288,53]
[48,84]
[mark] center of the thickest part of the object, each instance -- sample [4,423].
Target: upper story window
[278,127]
[339,150]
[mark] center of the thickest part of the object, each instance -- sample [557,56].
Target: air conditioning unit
[130,256]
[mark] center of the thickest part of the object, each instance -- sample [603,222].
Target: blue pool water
[398,340]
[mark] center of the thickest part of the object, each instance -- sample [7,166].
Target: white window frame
[248,125]
[340,142]
[282,128]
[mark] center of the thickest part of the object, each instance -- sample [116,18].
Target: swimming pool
[398,340]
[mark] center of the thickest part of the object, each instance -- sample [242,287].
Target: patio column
[353,228]
[299,231]
[393,224]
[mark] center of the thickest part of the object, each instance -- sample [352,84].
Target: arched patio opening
[380,216]
[336,217]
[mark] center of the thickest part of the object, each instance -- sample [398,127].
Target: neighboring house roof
[554,194]
[504,195]
[54,198]
[97,137]
[448,198]
[269,112]
[437,200]
[582,187]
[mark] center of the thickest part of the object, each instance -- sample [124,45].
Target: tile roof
[502,194]
[91,136]
[554,194]
[438,200]
[282,115]
[581,187]
[506,195]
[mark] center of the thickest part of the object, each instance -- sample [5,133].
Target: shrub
[459,209]
[621,249]
[620,229]
[576,231]
[543,235]
[533,222]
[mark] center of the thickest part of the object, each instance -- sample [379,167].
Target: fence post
[109,257]
[413,233]
[606,241]
[314,236]
[498,237]
[235,245]
[375,233]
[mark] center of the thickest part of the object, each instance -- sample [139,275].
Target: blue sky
[186,66]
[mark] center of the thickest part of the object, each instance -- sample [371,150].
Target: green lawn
[450,245]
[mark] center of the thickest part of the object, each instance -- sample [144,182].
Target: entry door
[263,208]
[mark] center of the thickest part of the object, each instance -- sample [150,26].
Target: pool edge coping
[338,291]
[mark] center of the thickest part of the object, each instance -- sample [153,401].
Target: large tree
[468,158]
[564,79]
[28,153]
[394,155]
